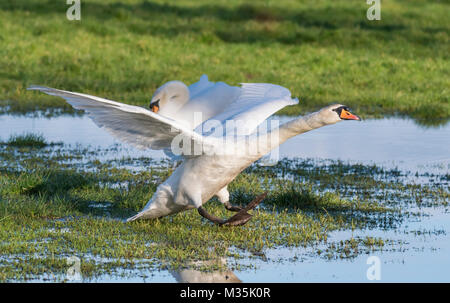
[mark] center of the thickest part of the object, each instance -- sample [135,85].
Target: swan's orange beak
[154,107]
[346,115]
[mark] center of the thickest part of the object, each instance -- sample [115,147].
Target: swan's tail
[135,217]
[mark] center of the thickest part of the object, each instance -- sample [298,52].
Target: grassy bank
[324,51]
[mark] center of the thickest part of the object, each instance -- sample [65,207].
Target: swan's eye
[173,97]
[338,110]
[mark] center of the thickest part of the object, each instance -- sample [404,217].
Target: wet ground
[392,142]
[418,249]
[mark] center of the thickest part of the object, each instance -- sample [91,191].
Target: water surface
[392,143]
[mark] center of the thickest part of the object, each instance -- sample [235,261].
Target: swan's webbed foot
[240,218]
[232,207]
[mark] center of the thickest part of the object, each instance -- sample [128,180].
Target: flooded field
[392,142]
[338,195]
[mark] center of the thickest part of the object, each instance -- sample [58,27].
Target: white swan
[193,122]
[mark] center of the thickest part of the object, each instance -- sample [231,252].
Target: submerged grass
[27,140]
[323,51]
[58,202]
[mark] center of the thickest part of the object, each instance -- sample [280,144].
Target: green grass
[27,140]
[61,201]
[324,51]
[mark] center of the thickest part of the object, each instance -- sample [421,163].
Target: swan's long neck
[300,125]
[292,128]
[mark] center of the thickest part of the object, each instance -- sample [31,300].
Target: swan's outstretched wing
[200,86]
[206,100]
[256,102]
[250,104]
[132,124]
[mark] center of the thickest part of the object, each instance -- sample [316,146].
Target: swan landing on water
[199,117]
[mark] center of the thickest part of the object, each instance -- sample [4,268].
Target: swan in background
[197,116]
[179,102]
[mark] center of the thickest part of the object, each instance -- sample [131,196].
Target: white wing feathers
[132,124]
[251,105]
[200,86]
[255,104]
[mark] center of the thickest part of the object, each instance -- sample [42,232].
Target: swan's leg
[210,217]
[232,207]
[243,216]
[240,218]
[224,198]
[196,200]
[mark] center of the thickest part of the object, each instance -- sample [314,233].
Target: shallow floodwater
[424,258]
[392,143]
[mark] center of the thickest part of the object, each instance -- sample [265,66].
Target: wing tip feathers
[37,87]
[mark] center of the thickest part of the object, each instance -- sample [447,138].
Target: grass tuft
[27,140]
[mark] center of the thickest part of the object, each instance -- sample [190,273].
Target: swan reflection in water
[198,276]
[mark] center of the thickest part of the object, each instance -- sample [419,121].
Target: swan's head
[169,97]
[336,113]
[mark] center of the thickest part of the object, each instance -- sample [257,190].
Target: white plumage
[184,114]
